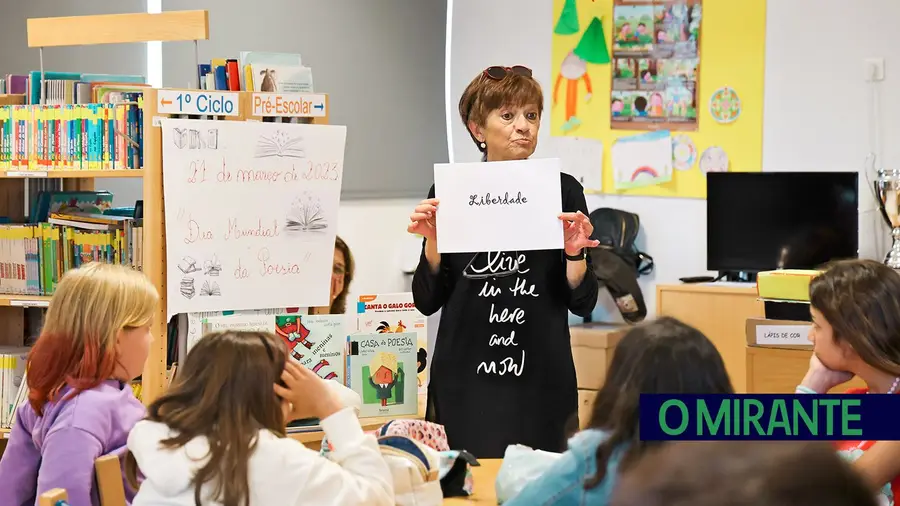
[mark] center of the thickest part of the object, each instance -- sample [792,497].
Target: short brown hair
[742,473]
[484,95]
[860,299]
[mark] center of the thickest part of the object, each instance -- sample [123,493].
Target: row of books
[66,87]
[105,136]
[33,257]
[13,391]
[257,71]
[382,355]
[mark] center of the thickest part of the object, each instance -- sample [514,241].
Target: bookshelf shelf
[24,300]
[71,174]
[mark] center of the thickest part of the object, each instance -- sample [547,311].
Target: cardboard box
[787,334]
[592,349]
[785,284]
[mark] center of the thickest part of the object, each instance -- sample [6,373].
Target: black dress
[502,371]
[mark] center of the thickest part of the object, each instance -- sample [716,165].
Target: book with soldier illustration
[382,370]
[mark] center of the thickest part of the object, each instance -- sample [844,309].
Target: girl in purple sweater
[95,340]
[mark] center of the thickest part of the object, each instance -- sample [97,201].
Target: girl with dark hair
[855,307]
[660,357]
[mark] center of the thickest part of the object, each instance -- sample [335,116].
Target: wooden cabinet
[592,350]
[720,311]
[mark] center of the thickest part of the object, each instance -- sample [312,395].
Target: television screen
[759,221]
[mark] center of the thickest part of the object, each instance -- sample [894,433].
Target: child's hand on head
[305,394]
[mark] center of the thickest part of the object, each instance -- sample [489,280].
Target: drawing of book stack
[382,371]
[316,342]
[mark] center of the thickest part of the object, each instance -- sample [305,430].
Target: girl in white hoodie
[217,437]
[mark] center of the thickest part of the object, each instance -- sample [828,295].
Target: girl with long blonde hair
[95,340]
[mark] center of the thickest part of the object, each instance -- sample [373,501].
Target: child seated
[218,435]
[95,340]
[660,357]
[855,307]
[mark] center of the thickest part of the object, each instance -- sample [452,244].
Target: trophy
[887,189]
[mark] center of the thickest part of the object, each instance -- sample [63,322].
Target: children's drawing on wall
[725,105]
[655,47]
[591,48]
[642,160]
[385,380]
[714,159]
[684,152]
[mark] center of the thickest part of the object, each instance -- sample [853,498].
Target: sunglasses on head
[498,73]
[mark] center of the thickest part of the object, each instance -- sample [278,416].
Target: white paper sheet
[499,206]
[251,213]
[582,158]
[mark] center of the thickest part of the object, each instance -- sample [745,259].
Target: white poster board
[251,213]
[498,206]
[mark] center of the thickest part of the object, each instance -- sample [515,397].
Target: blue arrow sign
[319,106]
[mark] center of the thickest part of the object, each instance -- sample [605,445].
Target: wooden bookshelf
[106,29]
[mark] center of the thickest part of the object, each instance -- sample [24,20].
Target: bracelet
[576,258]
[804,390]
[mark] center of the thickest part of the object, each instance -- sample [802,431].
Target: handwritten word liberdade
[492,200]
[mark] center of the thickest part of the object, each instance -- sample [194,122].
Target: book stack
[257,71]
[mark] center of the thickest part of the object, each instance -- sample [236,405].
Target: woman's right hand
[422,220]
[305,394]
[821,379]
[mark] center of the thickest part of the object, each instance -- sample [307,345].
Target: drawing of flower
[306,214]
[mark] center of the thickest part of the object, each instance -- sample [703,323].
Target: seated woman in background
[341,277]
[855,306]
[660,357]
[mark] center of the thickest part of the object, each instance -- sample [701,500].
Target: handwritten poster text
[251,213]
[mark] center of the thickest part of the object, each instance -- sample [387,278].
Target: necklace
[894,385]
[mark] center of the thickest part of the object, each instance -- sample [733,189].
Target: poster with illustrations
[251,213]
[381,370]
[389,313]
[655,60]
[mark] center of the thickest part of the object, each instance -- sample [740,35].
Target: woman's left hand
[577,230]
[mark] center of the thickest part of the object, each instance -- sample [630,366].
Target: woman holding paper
[502,372]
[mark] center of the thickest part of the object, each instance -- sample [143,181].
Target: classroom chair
[109,481]
[55,497]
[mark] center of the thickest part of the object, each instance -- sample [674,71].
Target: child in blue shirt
[660,357]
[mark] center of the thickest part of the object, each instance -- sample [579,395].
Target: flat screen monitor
[759,221]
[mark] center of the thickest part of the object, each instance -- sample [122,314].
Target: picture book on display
[316,342]
[381,369]
[392,313]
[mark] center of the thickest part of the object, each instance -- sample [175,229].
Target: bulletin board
[731,47]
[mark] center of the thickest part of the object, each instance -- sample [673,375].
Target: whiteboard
[251,213]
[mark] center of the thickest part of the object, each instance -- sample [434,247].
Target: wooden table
[485,492]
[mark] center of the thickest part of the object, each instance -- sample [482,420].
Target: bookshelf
[88,30]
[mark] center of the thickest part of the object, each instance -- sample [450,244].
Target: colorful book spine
[72,136]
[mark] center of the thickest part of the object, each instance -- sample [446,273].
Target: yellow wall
[732,53]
